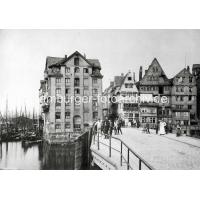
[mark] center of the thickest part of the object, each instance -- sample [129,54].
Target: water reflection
[15,155]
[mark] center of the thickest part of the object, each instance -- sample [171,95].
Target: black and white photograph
[100,99]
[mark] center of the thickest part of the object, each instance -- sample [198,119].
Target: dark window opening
[76,82]
[160,90]
[76,70]
[76,61]
[85,70]
[58,115]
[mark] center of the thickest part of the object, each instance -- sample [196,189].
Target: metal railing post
[140,164]
[93,137]
[110,146]
[121,155]
[128,159]
[98,140]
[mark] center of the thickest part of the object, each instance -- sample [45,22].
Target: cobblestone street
[164,152]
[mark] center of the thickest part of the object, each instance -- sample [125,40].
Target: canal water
[14,155]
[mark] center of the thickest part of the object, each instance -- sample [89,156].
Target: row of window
[77,81]
[166,88]
[149,110]
[182,106]
[182,79]
[130,115]
[181,88]
[67,126]
[165,112]
[76,70]
[58,115]
[181,114]
[77,91]
[152,78]
[182,122]
[153,88]
[67,103]
[182,98]
[129,85]
[151,120]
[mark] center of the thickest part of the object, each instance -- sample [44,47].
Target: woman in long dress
[162,128]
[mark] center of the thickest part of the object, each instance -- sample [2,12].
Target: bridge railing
[124,148]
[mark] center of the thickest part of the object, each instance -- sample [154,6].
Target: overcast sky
[23,54]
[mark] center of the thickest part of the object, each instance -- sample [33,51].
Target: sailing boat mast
[16,120]
[6,115]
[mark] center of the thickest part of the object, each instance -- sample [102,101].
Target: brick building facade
[71,78]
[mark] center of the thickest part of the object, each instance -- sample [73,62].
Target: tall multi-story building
[127,99]
[183,96]
[196,74]
[78,81]
[153,84]
[180,95]
[124,92]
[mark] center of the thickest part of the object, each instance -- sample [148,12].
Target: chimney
[84,55]
[188,68]
[65,56]
[140,73]
[134,76]
[122,74]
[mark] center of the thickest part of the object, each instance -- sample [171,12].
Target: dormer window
[76,61]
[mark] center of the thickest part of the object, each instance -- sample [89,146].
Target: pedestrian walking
[138,124]
[111,127]
[178,130]
[157,128]
[98,126]
[162,128]
[106,128]
[119,125]
[147,128]
[115,126]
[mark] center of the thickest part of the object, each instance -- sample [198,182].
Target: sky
[23,55]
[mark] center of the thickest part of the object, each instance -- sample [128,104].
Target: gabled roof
[91,62]
[95,62]
[124,79]
[155,63]
[162,76]
[52,61]
[183,71]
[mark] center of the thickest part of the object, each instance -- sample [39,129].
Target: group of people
[162,128]
[107,126]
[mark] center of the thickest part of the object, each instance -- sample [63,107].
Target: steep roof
[95,62]
[91,62]
[155,70]
[52,61]
[183,71]
[155,63]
